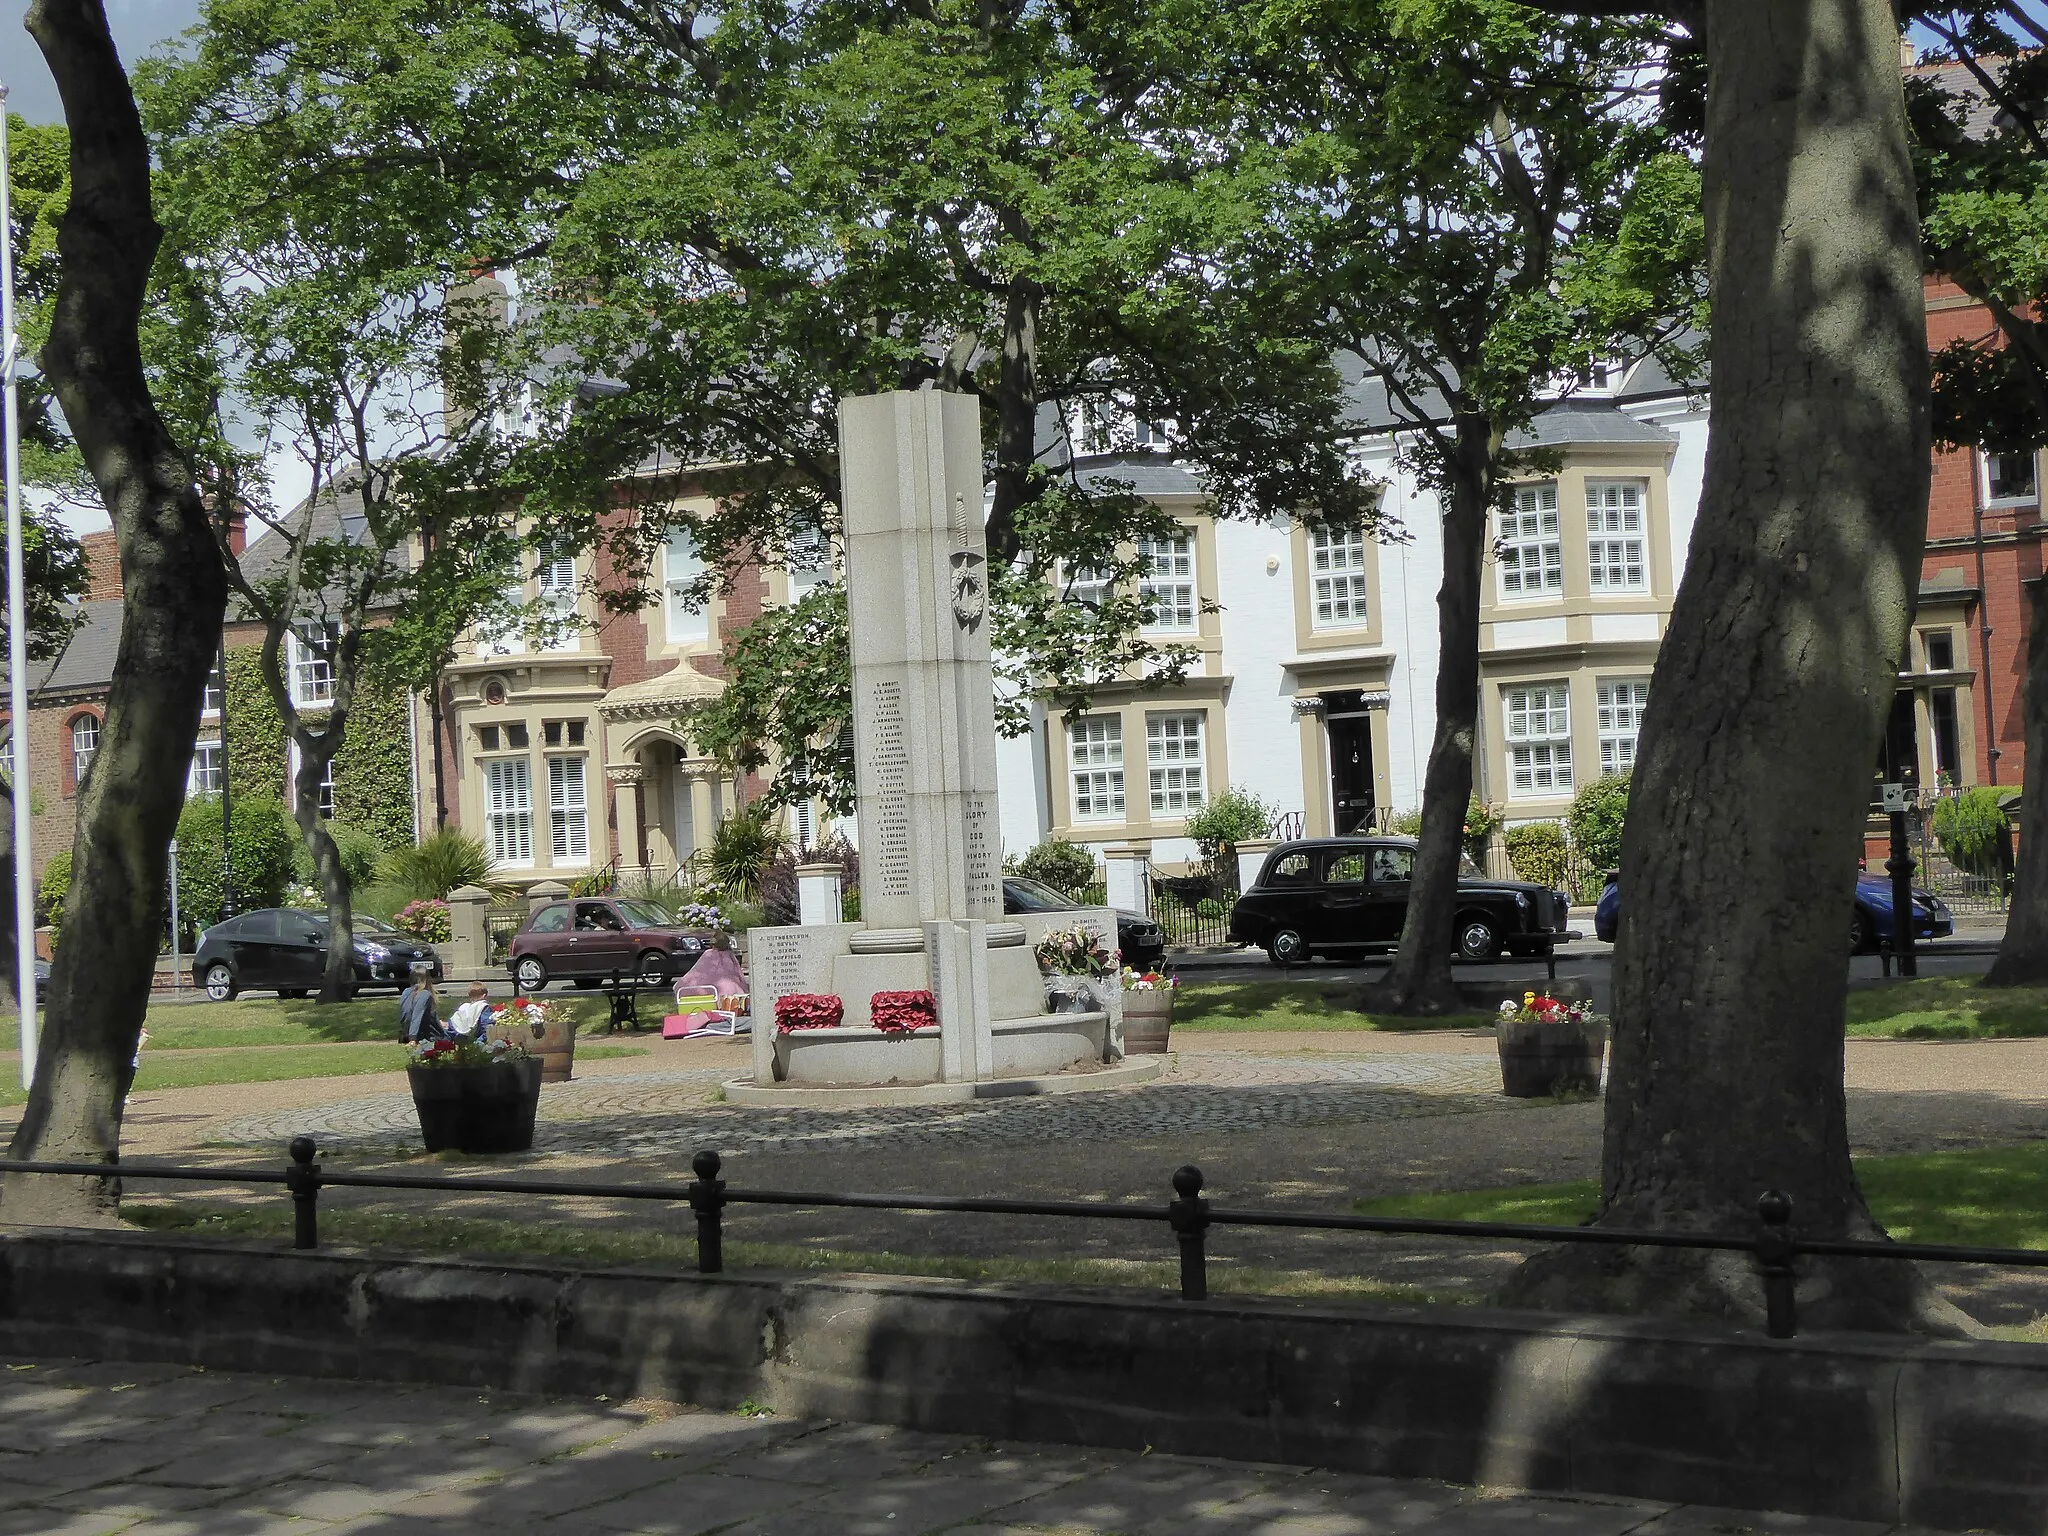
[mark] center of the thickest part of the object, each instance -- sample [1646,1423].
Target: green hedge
[1067,867]
[265,840]
[1537,849]
[1598,814]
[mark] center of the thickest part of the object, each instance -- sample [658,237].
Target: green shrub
[1597,814]
[1066,867]
[54,890]
[264,842]
[742,848]
[446,861]
[1229,819]
[1481,822]
[1407,824]
[1537,849]
[1971,827]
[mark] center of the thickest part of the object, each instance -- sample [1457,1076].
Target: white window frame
[1537,720]
[291,783]
[569,807]
[1169,587]
[1176,761]
[214,698]
[310,675]
[1991,498]
[508,810]
[1339,587]
[810,562]
[1095,767]
[679,570]
[1530,531]
[1620,702]
[85,746]
[1089,587]
[7,753]
[555,580]
[1617,539]
[205,775]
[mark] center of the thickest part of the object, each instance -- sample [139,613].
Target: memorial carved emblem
[970,590]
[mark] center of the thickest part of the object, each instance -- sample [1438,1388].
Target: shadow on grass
[1294,1005]
[1946,1008]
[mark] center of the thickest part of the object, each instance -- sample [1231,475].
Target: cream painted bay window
[1337,577]
[1531,554]
[508,810]
[1622,702]
[1539,738]
[1173,760]
[1095,766]
[1614,536]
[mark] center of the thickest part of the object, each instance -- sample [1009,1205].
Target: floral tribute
[466,1052]
[1074,952]
[428,921]
[1149,981]
[807,1010]
[897,1013]
[1542,1008]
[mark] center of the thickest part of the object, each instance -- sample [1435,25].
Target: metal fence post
[1774,1260]
[707,1199]
[302,1178]
[1189,1217]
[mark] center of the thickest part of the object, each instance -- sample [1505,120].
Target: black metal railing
[1189,1216]
[500,926]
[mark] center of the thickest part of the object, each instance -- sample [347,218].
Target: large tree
[174,594]
[1774,679]
[1981,150]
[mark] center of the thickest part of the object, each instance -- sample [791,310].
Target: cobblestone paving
[658,1114]
[94,1449]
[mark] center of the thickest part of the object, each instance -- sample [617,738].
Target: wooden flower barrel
[552,1043]
[1148,1020]
[477,1109]
[1539,1060]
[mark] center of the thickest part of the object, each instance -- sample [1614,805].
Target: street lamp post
[17,634]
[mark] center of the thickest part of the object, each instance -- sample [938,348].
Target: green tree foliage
[361,852]
[1539,853]
[264,844]
[1067,867]
[1481,822]
[1229,819]
[1973,830]
[1598,813]
[52,890]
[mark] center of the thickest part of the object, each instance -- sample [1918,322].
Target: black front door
[1351,803]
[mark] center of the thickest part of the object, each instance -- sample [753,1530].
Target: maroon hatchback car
[592,938]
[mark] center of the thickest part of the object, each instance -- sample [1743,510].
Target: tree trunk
[2023,952]
[338,984]
[174,594]
[1772,687]
[437,717]
[1016,421]
[1419,981]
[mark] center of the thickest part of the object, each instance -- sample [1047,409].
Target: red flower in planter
[897,1013]
[807,1010]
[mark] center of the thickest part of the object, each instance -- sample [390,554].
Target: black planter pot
[1539,1060]
[477,1109]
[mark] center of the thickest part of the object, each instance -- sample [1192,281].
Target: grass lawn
[1947,1008]
[344,1227]
[1289,1005]
[1990,1197]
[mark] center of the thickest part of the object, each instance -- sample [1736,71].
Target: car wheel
[531,973]
[653,969]
[1861,932]
[294,993]
[1287,948]
[220,982]
[1476,939]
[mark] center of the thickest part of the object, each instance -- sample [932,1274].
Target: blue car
[1869,927]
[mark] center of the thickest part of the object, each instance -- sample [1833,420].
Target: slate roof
[85,665]
[1586,422]
[1147,474]
[337,513]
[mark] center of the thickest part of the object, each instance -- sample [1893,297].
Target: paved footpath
[91,1449]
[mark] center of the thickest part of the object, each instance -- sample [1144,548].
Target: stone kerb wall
[1864,1427]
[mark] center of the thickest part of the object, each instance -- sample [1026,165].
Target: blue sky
[138,25]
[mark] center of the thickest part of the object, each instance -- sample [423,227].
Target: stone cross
[923,696]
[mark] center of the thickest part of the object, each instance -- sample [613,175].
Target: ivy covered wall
[372,774]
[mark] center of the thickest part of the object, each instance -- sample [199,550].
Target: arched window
[85,741]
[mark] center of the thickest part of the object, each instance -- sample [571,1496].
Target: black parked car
[284,950]
[1351,894]
[1137,935]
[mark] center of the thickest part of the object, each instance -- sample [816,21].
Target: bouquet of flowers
[897,1013]
[1074,952]
[1148,981]
[1542,1008]
[429,921]
[807,1010]
[466,1052]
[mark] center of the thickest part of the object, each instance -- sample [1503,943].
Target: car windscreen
[1030,896]
[640,915]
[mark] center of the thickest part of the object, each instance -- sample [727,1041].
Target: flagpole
[17,638]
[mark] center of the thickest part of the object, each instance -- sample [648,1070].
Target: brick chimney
[102,565]
[237,531]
